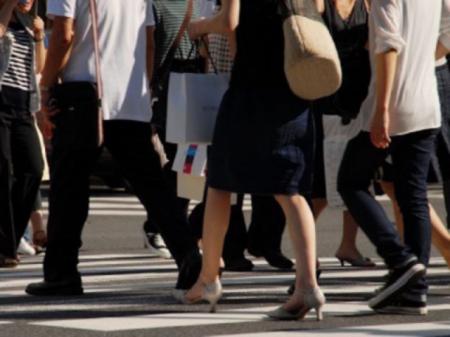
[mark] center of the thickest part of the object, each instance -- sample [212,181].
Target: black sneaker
[404,306]
[398,280]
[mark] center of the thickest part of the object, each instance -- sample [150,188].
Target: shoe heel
[213,307]
[319,313]
[342,262]
[212,293]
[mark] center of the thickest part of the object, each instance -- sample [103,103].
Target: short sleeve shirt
[122,41]
[411,27]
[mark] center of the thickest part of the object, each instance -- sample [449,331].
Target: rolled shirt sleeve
[444,34]
[386,24]
[65,8]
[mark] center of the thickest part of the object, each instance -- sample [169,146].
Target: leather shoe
[189,270]
[278,260]
[55,288]
[273,257]
[238,264]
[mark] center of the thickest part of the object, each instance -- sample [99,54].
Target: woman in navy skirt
[263,144]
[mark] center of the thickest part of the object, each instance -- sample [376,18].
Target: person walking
[22,55]
[400,117]
[263,144]
[336,115]
[125,40]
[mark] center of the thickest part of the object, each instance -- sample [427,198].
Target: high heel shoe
[212,293]
[311,299]
[356,261]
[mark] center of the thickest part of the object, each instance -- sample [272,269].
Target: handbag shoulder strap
[94,17]
[165,66]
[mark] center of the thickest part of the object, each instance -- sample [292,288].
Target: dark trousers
[21,169]
[130,145]
[411,156]
[443,137]
[266,226]
[264,234]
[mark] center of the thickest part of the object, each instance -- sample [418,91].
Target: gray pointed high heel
[311,299]
[212,293]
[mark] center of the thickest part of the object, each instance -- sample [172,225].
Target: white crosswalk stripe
[121,282]
[128,205]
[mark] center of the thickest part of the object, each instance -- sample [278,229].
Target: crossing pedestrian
[102,49]
[262,145]
[401,117]
[22,55]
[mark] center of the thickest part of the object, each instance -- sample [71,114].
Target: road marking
[154,321]
[435,329]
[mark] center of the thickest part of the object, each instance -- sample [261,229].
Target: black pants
[267,225]
[21,169]
[264,234]
[130,145]
[411,155]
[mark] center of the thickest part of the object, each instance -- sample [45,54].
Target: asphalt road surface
[128,291]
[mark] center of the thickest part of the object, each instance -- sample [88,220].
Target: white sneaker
[157,246]
[25,248]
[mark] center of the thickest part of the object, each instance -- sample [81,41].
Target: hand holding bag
[311,61]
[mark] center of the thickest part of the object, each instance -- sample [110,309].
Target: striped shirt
[20,63]
[169,15]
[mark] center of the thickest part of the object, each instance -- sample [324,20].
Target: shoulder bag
[311,61]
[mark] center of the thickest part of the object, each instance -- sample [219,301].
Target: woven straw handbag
[311,61]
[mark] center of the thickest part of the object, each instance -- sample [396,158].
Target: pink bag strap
[94,18]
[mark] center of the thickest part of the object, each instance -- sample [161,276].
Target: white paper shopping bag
[192,106]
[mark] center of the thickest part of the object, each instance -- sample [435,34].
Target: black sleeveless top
[350,36]
[259,60]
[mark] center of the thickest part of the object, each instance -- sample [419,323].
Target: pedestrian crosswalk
[124,205]
[132,292]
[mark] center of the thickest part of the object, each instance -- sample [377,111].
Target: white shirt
[411,27]
[444,37]
[123,39]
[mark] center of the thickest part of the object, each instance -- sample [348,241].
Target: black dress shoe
[55,288]
[189,271]
[273,257]
[278,260]
[238,264]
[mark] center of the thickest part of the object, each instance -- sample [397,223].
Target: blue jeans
[411,155]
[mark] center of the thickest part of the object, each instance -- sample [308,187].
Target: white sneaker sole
[403,310]
[416,271]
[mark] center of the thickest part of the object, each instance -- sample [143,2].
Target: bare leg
[347,250]
[388,188]
[215,226]
[301,227]
[39,236]
[318,206]
[440,234]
